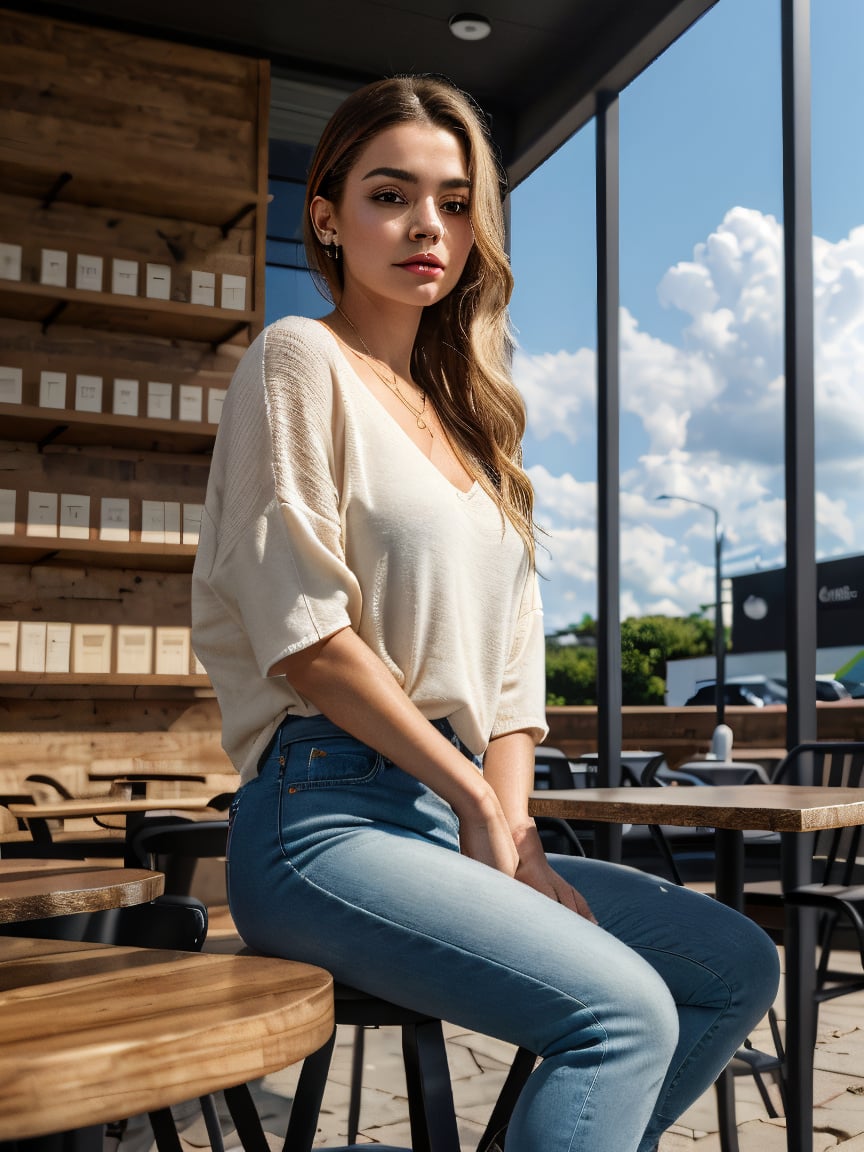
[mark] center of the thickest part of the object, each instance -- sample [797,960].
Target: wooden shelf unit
[119,147]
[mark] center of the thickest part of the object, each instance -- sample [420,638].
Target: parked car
[754,690]
[761,690]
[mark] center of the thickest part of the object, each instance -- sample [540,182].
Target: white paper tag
[124,277]
[88,273]
[88,393]
[52,390]
[11,385]
[75,517]
[55,267]
[114,519]
[233,292]
[41,513]
[125,397]
[203,288]
[158,281]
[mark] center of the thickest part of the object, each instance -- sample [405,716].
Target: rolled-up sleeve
[522,702]
[272,543]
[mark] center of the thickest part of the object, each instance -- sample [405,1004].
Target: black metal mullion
[800,454]
[609,693]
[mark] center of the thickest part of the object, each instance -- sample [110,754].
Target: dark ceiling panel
[537,74]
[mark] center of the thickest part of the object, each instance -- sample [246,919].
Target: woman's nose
[427,224]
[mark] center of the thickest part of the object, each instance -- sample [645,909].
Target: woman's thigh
[406,917]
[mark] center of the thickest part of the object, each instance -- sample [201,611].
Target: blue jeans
[339,858]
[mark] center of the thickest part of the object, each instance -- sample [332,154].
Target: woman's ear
[323,216]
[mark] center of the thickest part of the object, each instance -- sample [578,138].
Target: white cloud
[711,414]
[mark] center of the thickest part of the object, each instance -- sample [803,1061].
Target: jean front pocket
[329,762]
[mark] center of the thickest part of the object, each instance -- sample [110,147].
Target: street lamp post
[719,636]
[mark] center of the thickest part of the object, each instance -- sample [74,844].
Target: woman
[365,603]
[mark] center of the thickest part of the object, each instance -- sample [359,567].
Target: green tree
[647,643]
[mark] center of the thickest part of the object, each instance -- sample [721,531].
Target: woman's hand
[535,871]
[485,835]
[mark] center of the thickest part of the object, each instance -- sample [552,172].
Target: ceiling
[537,75]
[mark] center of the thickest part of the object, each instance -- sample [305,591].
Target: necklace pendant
[421,423]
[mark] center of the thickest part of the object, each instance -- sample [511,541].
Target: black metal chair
[836,889]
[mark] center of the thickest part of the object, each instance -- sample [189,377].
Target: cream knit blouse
[321,513]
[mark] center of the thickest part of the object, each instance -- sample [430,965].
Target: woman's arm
[351,686]
[508,767]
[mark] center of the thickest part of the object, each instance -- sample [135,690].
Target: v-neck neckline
[465,492]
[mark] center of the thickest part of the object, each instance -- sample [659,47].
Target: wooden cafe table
[91,1033]
[103,808]
[32,889]
[731,810]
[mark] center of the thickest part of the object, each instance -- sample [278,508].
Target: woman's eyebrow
[410,178]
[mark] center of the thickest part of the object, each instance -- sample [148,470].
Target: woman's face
[403,221]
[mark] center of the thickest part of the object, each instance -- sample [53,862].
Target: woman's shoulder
[298,335]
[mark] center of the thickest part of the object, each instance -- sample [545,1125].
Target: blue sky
[701,294]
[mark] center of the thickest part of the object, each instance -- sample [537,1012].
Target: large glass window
[299,111]
[838,252]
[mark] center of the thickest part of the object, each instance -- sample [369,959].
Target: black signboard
[759,606]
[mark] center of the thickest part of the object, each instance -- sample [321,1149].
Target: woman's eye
[389,196]
[454,207]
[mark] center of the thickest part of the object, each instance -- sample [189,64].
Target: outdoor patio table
[33,889]
[90,1033]
[731,810]
[134,809]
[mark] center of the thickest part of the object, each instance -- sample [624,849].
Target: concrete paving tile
[485,1048]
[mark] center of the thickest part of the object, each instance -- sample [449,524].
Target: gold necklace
[419,414]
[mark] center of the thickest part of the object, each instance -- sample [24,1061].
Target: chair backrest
[830,764]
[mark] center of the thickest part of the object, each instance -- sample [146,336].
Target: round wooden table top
[32,889]
[93,1032]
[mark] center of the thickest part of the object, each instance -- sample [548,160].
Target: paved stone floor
[478,1065]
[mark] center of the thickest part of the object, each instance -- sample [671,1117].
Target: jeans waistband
[316,727]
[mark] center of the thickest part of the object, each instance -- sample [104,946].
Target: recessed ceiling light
[470,26]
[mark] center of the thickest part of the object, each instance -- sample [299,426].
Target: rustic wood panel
[137,122]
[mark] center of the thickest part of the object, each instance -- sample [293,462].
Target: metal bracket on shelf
[56,188]
[236,218]
[51,436]
[57,311]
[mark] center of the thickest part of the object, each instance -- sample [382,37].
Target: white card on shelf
[41,513]
[31,646]
[58,647]
[158,281]
[233,292]
[215,400]
[88,273]
[191,402]
[172,522]
[75,517]
[134,650]
[124,277]
[52,390]
[114,519]
[55,267]
[91,648]
[125,397]
[152,522]
[158,400]
[88,393]
[10,261]
[8,645]
[173,647]
[203,288]
[197,667]
[192,514]
[12,386]
[7,511]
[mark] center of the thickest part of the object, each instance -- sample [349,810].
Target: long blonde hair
[463,350]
